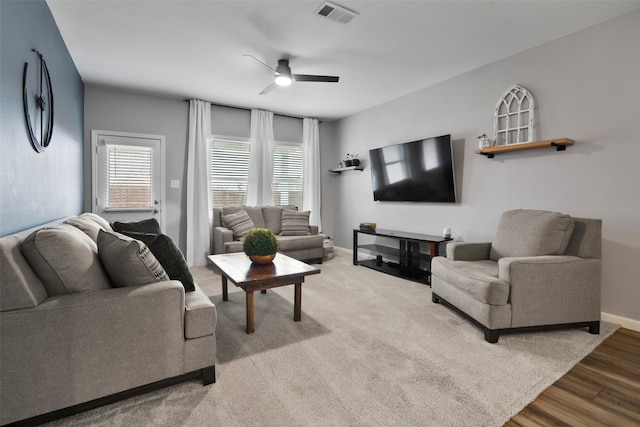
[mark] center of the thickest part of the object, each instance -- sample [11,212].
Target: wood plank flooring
[602,390]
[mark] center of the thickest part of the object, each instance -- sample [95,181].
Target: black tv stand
[411,259]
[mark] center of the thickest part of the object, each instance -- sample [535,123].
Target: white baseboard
[625,322]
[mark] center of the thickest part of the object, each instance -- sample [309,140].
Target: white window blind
[129,177]
[229,172]
[287,174]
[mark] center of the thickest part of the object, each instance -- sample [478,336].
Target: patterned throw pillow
[295,223]
[128,262]
[239,222]
[168,255]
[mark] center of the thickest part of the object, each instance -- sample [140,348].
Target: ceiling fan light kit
[283,80]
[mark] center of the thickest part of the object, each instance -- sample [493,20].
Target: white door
[128,176]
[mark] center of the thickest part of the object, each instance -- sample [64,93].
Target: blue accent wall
[36,188]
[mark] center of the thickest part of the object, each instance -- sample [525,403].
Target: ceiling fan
[284,76]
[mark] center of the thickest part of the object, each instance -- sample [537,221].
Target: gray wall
[112,109]
[37,188]
[586,88]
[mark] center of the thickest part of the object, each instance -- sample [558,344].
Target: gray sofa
[542,271]
[303,245]
[73,340]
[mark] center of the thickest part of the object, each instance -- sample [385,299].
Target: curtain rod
[249,109]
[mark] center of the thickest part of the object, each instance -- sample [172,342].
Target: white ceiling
[193,49]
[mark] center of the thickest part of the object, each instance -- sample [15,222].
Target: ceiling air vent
[335,13]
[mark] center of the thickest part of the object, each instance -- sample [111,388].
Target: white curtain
[311,187]
[259,190]
[199,212]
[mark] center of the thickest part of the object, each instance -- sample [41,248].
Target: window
[229,171]
[287,174]
[129,176]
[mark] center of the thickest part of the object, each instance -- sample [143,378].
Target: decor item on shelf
[368,227]
[260,245]
[513,117]
[355,161]
[446,232]
[484,141]
[351,160]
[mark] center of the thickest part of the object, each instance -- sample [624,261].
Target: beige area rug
[371,350]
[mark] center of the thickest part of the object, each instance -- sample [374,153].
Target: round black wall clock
[38,103]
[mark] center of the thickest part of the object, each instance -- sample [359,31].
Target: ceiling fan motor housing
[283,68]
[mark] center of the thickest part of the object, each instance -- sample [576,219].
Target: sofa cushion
[169,256]
[20,288]
[273,218]
[255,213]
[233,246]
[89,227]
[97,219]
[478,279]
[295,223]
[295,243]
[128,261]
[65,260]
[524,232]
[145,226]
[239,223]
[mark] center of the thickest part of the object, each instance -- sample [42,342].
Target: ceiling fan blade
[269,88]
[256,59]
[312,78]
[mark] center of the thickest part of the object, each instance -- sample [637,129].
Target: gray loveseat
[541,271]
[72,339]
[300,243]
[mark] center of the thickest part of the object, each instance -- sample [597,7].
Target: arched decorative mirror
[513,119]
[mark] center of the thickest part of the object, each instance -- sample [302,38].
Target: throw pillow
[169,256]
[97,219]
[128,262]
[145,226]
[239,222]
[64,260]
[295,223]
[90,228]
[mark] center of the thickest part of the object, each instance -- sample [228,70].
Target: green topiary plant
[260,241]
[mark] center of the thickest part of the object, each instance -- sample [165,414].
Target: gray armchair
[542,271]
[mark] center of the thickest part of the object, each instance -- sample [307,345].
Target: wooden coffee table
[284,270]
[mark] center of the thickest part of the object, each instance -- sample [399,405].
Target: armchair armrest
[314,230]
[548,290]
[467,251]
[220,236]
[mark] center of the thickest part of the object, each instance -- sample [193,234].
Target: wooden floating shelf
[350,168]
[560,144]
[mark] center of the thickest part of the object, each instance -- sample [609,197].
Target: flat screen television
[417,171]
